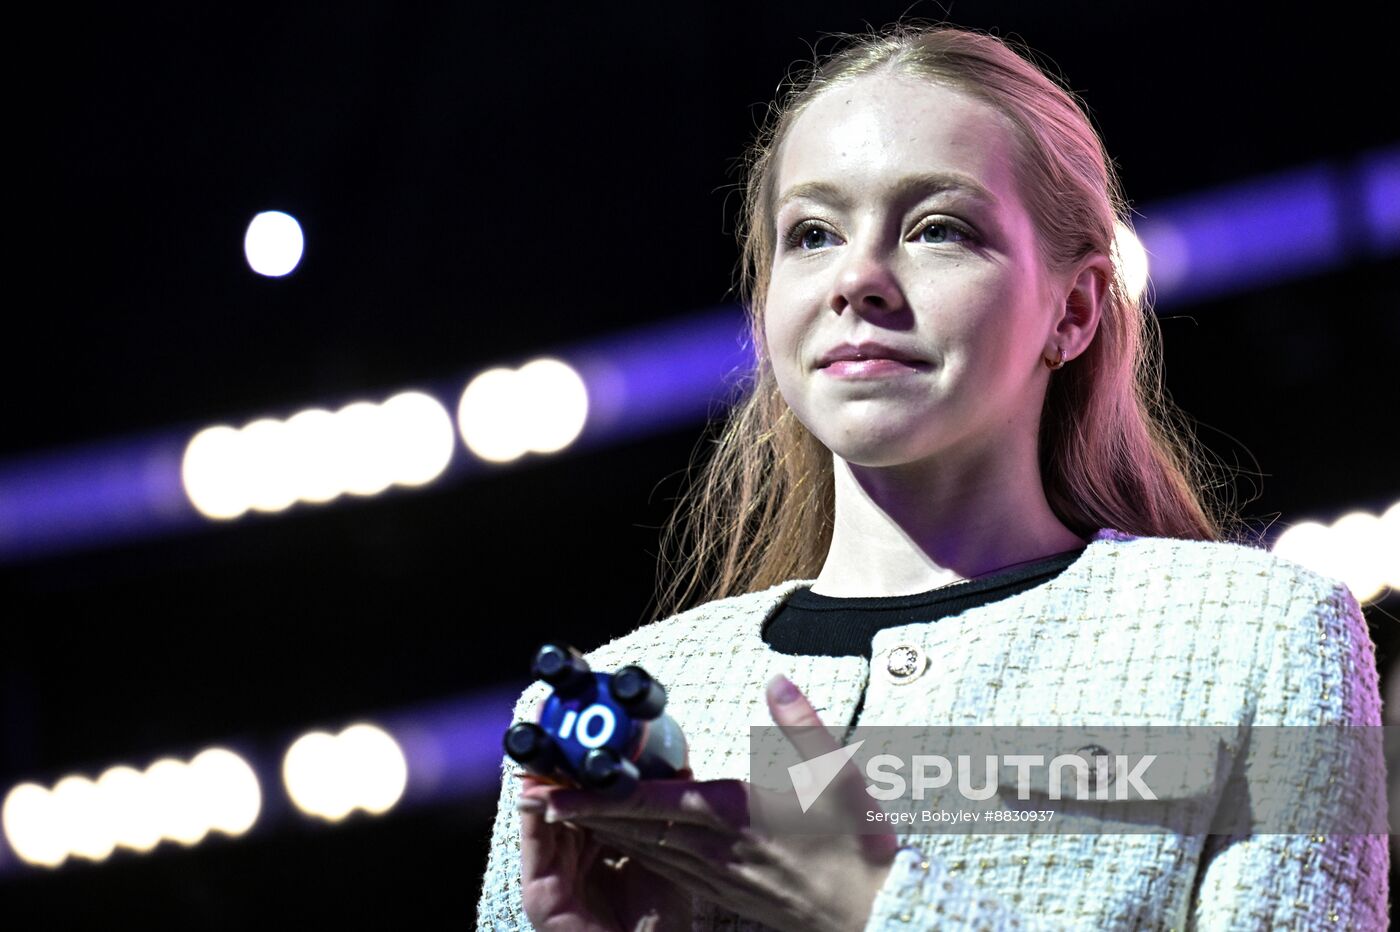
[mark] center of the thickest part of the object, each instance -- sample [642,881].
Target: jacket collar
[767,602]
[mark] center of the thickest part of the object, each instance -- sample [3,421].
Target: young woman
[953,495]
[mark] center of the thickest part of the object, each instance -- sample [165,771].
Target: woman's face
[947,278]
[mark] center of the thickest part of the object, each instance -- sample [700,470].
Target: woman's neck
[909,529]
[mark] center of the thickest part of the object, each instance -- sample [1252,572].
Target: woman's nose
[866,282]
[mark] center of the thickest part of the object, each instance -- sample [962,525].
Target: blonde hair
[1114,451]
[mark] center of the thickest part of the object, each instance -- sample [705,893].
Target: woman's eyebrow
[923,183]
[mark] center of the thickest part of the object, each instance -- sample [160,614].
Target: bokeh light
[273,244]
[316,456]
[539,408]
[330,776]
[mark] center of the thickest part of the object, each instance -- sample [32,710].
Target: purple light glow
[1380,174]
[673,373]
[454,748]
[1243,236]
[122,490]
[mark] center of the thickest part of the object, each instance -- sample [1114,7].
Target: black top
[833,626]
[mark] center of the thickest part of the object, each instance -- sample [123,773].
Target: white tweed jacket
[1137,631]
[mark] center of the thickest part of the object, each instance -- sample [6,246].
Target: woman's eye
[808,235]
[946,232]
[801,236]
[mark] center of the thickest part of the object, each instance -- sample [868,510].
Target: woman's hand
[697,836]
[573,881]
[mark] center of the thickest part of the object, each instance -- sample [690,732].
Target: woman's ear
[1082,308]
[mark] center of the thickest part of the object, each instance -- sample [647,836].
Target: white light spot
[228,790]
[361,768]
[130,807]
[79,822]
[418,437]
[557,404]
[365,460]
[266,478]
[486,416]
[1308,543]
[505,413]
[212,472]
[31,827]
[308,772]
[1390,545]
[316,456]
[273,243]
[1358,549]
[1130,259]
[1359,541]
[378,761]
[171,800]
[179,812]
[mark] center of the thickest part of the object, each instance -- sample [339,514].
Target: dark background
[474,182]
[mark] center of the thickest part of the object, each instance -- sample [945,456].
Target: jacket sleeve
[1321,672]
[500,906]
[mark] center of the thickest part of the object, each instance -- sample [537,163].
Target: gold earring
[1055,365]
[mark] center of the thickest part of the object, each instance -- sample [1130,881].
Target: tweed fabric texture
[1137,631]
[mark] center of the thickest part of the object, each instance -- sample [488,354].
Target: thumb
[801,725]
[798,720]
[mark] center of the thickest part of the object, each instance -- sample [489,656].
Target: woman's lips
[872,368]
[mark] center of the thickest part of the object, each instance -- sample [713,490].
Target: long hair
[1114,451]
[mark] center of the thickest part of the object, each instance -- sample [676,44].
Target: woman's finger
[670,867]
[799,721]
[538,844]
[722,805]
[679,838]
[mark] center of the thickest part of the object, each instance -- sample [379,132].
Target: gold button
[906,662]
